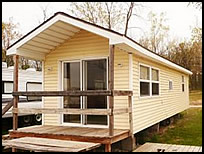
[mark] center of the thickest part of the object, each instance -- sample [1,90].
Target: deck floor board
[100,135]
[49,145]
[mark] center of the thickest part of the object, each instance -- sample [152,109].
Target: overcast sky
[181,18]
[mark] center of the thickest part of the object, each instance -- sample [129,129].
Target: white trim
[130,71]
[59,17]
[81,88]
[149,81]
[90,59]
[131,81]
[62,100]
[60,88]
[32,35]
[114,39]
[43,86]
[137,48]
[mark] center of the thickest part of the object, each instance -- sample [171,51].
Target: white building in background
[29,80]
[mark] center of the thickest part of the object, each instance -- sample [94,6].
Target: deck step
[49,145]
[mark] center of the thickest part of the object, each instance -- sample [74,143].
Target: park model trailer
[101,83]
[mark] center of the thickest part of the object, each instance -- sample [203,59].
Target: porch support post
[15,98]
[132,145]
[107,147]
[111,87]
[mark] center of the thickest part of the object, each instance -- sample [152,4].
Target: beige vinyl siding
[146,111]
[149,111]
[121,82]
[84,45]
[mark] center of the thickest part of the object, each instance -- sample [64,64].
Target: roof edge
[157,54]
[97,26]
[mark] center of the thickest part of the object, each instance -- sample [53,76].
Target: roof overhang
[56,30]
[130,46]
[61,27]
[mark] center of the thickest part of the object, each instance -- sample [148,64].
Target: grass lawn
[4,132]
[195,96]
[185,131]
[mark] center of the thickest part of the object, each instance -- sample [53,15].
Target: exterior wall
[149,111]
[83,45]
[146,111]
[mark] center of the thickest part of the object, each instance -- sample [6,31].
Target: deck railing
[7,107]
[109,112]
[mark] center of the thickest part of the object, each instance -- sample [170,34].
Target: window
[149,81]
[170,85]
[144,89]
[7,87]
[34,86]
[144,73]
[183,89]
[155,82]
[182,78]
[145,81]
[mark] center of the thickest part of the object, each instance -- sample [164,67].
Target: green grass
[4,132]
[185,131]
[195,95]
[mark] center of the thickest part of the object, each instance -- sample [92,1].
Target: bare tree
[189,55]
[129,14]
[9,35]
[46,13]
[197,5]
[112,15]
[89,11]
[156,40]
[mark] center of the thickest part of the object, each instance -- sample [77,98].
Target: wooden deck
[158,147]
[95,135]
[49,145]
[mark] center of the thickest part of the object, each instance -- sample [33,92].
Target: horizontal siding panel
[149,111]
[80,46]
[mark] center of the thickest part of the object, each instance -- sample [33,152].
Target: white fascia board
[154,56]
[14,48]
[113,38]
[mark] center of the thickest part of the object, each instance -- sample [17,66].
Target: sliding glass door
[95,78]
[85,75]
[71,81]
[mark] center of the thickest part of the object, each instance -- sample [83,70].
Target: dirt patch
[163,129]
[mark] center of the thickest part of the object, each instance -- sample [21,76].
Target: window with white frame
[183,84]
[155,81]
[170,85]
[7,87]
[144,81]
[149,81]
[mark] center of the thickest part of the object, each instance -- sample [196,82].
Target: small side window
[183,86]
[170,85]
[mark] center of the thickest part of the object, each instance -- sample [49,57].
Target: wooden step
[49,145]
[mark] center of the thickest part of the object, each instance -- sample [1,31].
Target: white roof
[61,27]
